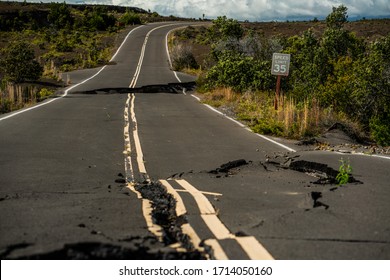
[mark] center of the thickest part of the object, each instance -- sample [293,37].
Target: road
[80,175]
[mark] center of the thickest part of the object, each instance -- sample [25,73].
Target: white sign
[280,64]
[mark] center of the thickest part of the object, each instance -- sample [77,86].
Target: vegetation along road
[127,163]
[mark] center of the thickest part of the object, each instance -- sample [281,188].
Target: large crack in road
[173,88]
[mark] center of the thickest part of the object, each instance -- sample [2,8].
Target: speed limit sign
[280,64]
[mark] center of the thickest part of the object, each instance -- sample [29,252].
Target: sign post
[280,67]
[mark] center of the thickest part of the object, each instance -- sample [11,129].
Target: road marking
[130,118]
[249,244]
[141,58]
[180,208]
[169,57]
[244,126]
[187,229]
[276,143]
[253,248]
[147,209]
[203,203]
[123,42]
[128,164]
[217,227]
[137,142]
[218,252]
[53,99]
[207,193]
[206,209]
[72,87]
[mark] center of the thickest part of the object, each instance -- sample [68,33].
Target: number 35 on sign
[280,64]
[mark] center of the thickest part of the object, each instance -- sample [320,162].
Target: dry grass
[220,97]
[16,96]
[292,119]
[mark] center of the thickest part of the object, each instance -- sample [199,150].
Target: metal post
[277,93]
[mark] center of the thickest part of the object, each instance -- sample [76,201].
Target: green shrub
[18,63]
[130,18]
[268,126]
[44,93]
[380,130]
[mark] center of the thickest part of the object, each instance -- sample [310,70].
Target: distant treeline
[16,16]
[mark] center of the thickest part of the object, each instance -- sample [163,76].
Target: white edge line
[244,126]
[360,154]
[72,87]
[169,56]
[273,141]
[124,41]
[54,99]
[197,98]
[276,143]
[377,156]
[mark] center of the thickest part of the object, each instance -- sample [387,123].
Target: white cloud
[261,10]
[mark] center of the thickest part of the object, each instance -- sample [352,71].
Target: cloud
[254,10]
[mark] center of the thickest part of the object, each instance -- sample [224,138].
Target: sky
[252,10]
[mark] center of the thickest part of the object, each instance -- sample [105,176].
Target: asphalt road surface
[94,172]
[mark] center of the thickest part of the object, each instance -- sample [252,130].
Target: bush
[18,63]
[239,72]
[380,130]
[99,19]
[130,18]
[60,16]
[183,58]
[44,93]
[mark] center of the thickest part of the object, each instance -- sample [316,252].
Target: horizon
[284,10]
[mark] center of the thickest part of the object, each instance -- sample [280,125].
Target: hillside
[339,73]
[369,30]
[62,38]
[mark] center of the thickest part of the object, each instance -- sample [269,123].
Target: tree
[60,16]
[130,18]
[337,18]
[99,19]
[18,63]
[224,28]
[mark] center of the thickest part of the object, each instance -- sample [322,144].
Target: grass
[292,119]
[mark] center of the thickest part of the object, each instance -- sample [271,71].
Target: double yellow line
[207,212]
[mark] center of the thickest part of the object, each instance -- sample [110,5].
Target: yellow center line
[206,193]
[217,227]
[180,208]
[204,204]
[249,244]
[253,248]
[218,252]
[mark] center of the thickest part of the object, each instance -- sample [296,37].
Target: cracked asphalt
[65,193]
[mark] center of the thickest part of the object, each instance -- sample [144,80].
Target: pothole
[325,175]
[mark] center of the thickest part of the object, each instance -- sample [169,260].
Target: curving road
[70,170]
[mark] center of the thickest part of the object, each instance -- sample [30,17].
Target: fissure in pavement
[173,88]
